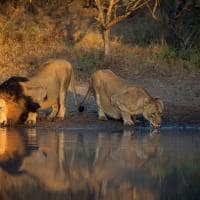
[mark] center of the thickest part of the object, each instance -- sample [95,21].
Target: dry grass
[26,40]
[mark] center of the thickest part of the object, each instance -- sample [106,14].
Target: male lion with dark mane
[14,105]
[117,99]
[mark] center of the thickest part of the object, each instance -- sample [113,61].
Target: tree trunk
[106,39]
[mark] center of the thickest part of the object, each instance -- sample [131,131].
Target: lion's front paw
[129,123]
[103,118]
[30,122]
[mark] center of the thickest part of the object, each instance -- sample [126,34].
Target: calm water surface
[91,164]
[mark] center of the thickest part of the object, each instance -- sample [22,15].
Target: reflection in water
[36,164]
[13,147]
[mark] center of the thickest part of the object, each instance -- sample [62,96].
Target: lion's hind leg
[126,116]
[61,102]
[101,113]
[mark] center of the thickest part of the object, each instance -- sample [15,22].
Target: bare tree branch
[108,17]
[153,10]
[111,12]
[101,18]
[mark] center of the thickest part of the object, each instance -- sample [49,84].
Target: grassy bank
[29,37]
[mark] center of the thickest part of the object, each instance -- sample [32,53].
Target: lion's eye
[153,114]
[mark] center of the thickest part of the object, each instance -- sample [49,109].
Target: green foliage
[89,61]
[167,52]
[192,58]
[163,171]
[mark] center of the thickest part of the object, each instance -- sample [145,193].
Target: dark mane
[14,89]
[12,86]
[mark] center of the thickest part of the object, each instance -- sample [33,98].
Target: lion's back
[53,68]
[51,74]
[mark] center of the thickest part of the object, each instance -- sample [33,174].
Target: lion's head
[153,109]
[34,90]
[14,103]
[11,111]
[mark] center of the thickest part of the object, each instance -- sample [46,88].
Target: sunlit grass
[27,40]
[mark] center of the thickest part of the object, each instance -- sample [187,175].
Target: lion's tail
[85,99]
[74,90]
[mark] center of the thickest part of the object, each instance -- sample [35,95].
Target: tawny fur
[118,99]
[48,87]
[15,108]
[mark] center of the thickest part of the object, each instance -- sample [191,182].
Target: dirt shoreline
[89,121]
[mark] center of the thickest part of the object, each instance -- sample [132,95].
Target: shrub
[167,52]
[192,58]
[88,61]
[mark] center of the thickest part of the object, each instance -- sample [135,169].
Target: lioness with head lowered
[117,99]
[48,88]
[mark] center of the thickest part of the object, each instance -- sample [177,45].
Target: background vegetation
[31,31]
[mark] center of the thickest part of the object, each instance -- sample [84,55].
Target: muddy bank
[89,120]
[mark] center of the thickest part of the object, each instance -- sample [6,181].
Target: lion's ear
[159,102]
[34,90]
[27,87]
[23,85]
[146,101]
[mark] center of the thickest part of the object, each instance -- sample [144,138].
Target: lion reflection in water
[103,165]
